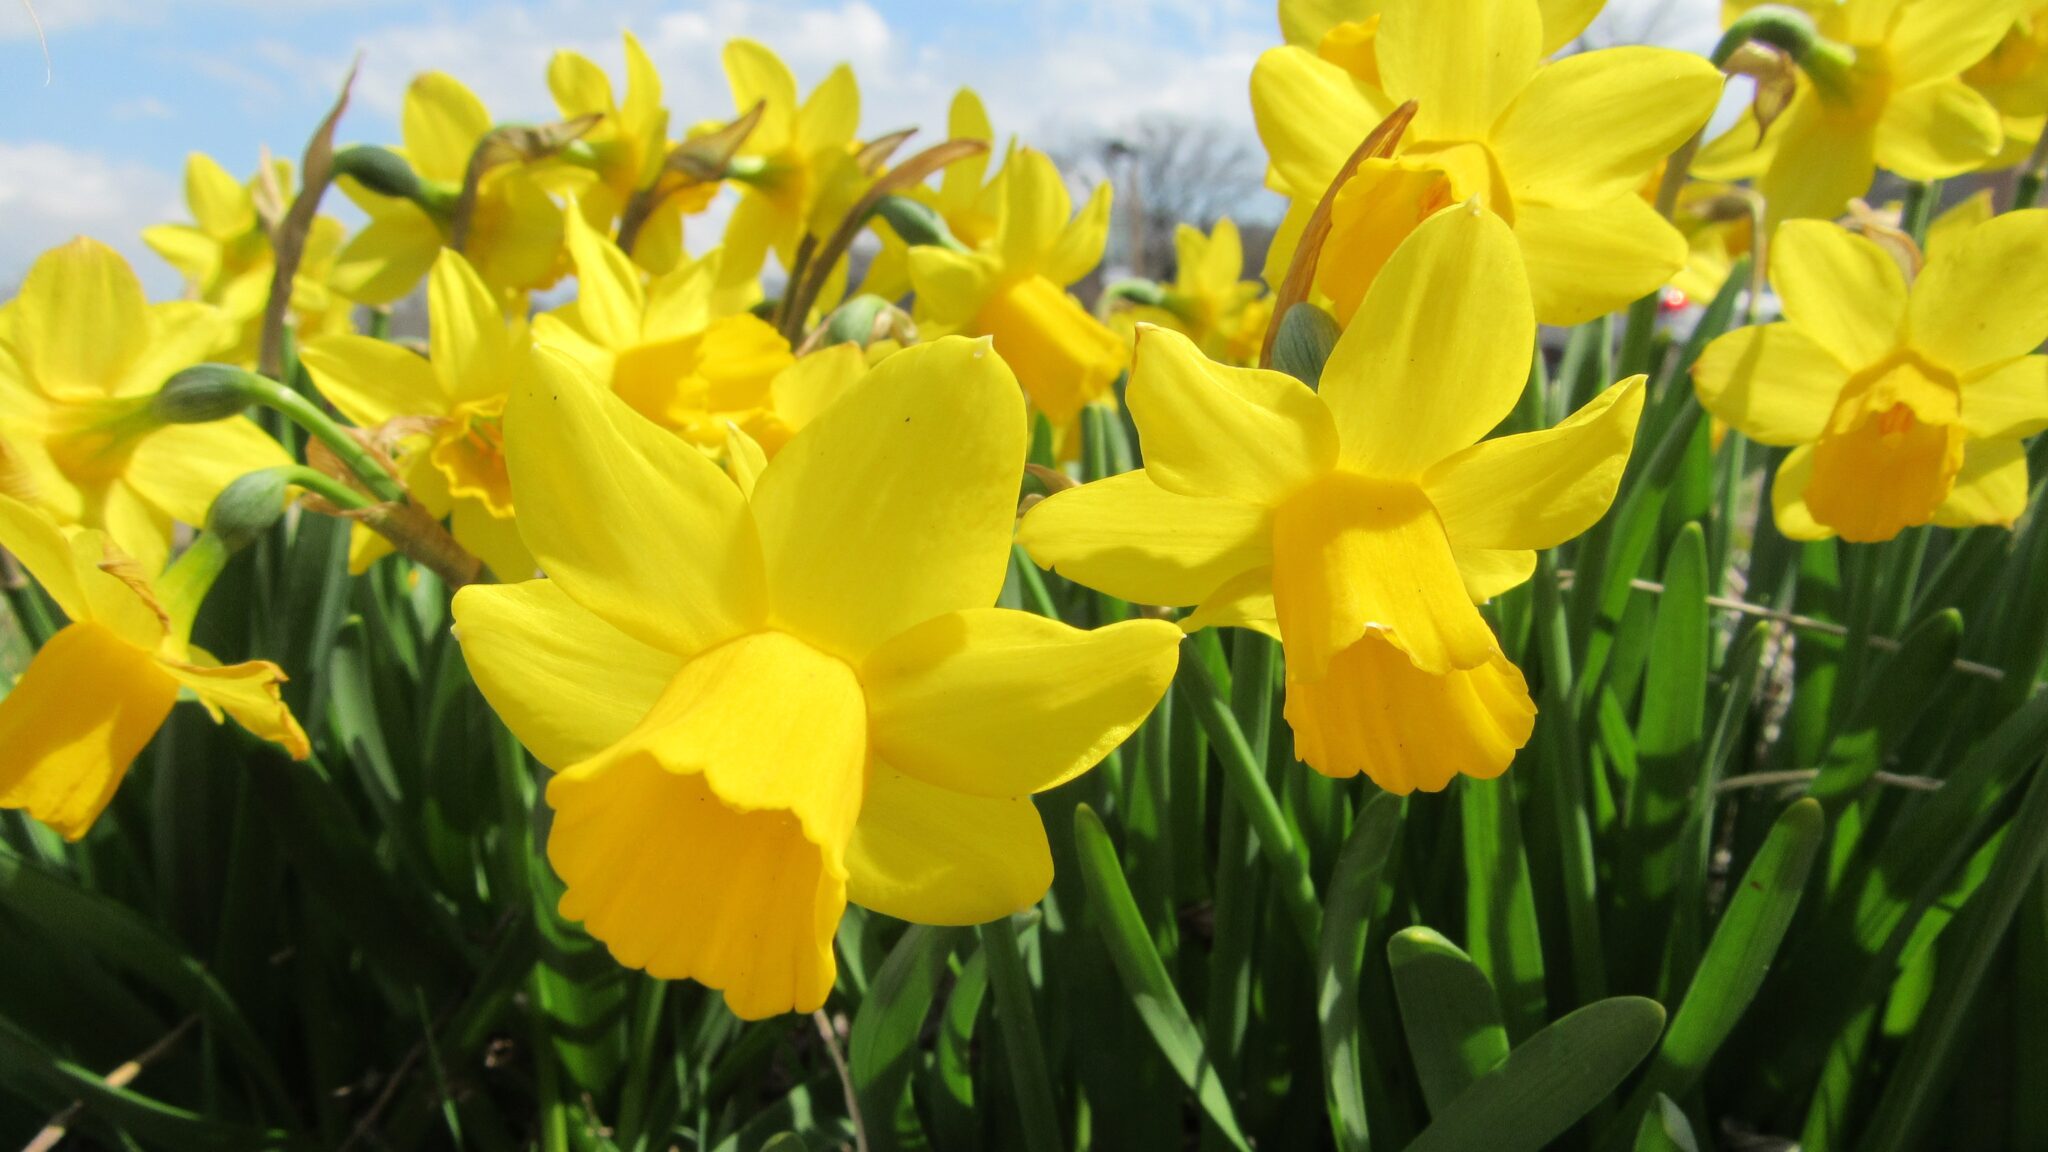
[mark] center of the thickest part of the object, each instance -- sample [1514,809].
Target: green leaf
[1345,923]
[954,1123]
[883,1048]
[1549,1082]
[1144,974]
[1738,957]
[1448,1010]
[1908,684]
[1500,902]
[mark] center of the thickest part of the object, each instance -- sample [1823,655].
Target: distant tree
[1170,170]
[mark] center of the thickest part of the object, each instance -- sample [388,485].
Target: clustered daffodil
[1209,301]
[102,686]
[765,699]
[1884,89]
[444,412]
[1903,404]
[226,258]
[1362,521]
[1557,150]
[1013,288]
[799,168]
[82,354]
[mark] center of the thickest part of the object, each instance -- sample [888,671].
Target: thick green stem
[1246,779]
[1036,1105]
[213,391]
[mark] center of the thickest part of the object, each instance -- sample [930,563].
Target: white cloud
[50,193]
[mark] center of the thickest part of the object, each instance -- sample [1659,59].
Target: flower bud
[919,224]
[247,508]
[379,169]
[201,394]
[1303,344]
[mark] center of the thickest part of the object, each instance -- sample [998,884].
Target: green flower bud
[248,507]
[202,394]
[1303,344]
[379,169]
[919,224]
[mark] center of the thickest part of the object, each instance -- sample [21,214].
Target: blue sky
[136,84]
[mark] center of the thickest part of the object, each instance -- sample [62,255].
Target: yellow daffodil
[765,700]
[1890,95]
[226,259]
[629,143]
[969,207]
[664,348]
[1342,31]
[1012,288]
[798,167]
[515,228]
[1209,301]
[82,353]
[101,687]
[1719,224]
[1903,404]
[2014,77]
[445,412]
[1364,520]
[1557,150]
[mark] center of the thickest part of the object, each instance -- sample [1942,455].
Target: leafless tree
[1170,170]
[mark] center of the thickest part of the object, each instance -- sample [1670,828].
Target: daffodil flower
[1209,301]
[630,144]
[445,410]
[762,702]
[1013,288]
[797,168]
[515,230]
[96,693]
[226,259]
[1902,404]
[1364,521]
[1896,99]
[667,348]
[1558,150]
[969,207]
[82,352]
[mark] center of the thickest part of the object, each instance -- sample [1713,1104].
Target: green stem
[1921,201]
[1246,779]
[250,388]
[2028,192]
[324,486]
[1038,1110]
[184,585]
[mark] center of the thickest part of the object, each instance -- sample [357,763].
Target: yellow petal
[966,119]
[2009,404]
[249,693]
[180,468]
[999,703]
[1035,208]
[1353,556]
[220,204]
[568,684]
[385,261]
[1937,130]
[1958,221]
[1564,20]
[1586,261]
[1539,489]
[672,558]
[1623,109]
[192,252]
[1788,498]
[1131,538]
[1938,41]
[1774,383]
[1990,489]
[895,505]
[516,237]
[76,719]
[609,299]
[579,86]
[931,856]
[1889,473]
[1821,161]
[1244,434]
[830,115]
[1374,214]
[756,74]
[710,843]
[1312,115]
[814,382]
[1977,302]
[1461,60]
[1841,289]
[80,320]
[1078,248]
[1064,358]
[180,334]
[70,569]
[1376,713]
[491,538]
[1439,352]
[1245,601]
[373,381]
[467,340]
[441,122]
[1488,572]
[950,286]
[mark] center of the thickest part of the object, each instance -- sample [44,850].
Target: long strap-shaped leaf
[1345,924]
[1144,974]
[1548,1083]
[1449,1011]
